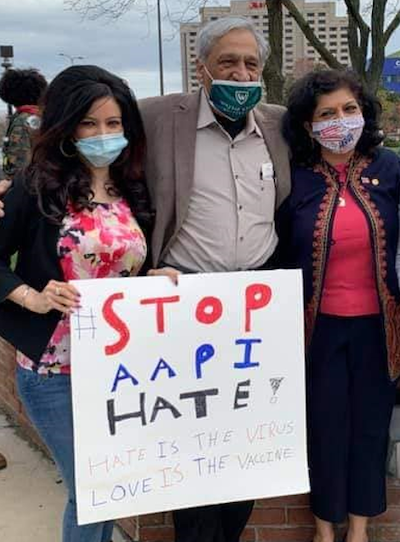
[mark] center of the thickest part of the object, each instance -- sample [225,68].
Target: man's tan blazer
[170,124]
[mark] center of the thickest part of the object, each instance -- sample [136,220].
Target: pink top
[105,241]
[349,286]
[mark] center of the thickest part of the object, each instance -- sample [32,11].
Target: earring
[61,146]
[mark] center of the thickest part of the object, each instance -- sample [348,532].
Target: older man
[217,165]
[217,170]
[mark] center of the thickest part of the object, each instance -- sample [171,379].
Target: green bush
[14,260]
[390,142]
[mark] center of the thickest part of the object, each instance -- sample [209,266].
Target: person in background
[23,90]
[79,210]
[340,226]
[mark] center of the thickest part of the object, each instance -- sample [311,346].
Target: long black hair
[56,174]
[303,100]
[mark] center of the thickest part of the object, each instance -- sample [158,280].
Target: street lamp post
[160,52]
[70,57]
[7,54]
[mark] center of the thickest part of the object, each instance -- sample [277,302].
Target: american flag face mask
[339,135]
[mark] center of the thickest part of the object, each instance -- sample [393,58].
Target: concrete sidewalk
[32,494]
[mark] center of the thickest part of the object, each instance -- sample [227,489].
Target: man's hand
[170,272]
[4,186]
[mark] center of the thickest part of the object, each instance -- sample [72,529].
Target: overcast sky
[41,29]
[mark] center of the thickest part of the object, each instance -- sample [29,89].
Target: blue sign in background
[391,74]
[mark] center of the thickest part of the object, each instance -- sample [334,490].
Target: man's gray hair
[212,31]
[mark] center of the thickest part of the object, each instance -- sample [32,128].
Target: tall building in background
[297,52]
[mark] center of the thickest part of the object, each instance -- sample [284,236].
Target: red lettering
[116,323]
[257,296]
[256,5]
[205,316]
[160,301]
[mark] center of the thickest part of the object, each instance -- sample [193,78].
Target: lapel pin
[375,182]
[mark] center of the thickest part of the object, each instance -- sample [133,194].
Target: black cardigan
[26,230]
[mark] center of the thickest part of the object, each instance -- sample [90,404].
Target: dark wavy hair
[303,100]
[57,175]
[22,87]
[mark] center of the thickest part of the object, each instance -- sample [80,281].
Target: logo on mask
[233,99]
[241,96]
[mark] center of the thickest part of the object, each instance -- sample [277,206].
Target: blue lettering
[247,363]
[118,493]
[94,502]
[123,374]
[203,354]
[162,364]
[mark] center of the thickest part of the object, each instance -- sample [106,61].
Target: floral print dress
[104,241]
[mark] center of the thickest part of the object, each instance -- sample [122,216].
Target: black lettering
[113,418]
[241,394]
[162,404]
[200,400]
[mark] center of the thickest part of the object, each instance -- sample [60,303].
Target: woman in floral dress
[79,211]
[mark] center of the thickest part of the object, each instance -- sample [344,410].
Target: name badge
[267,171]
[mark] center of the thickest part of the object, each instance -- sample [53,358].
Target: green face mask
[234,99]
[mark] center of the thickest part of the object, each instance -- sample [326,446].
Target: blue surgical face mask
[234,99]
[102,150]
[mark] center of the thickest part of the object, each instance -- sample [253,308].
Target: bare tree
[273,69]
[362,37]
[93,9]
[385,18]
[184,10]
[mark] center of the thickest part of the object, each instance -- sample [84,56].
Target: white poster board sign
[187,395]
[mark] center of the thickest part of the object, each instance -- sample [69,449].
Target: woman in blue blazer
[340,226]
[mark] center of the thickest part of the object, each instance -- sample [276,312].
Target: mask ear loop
[204,88]
[208,73]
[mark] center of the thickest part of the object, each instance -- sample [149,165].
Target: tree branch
[189,11]
[353,9]
[357,40]
[94,9]
[395,22]
[308,32]
[272,72]
[378,46]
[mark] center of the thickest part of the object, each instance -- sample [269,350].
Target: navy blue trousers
[215,523]
[350,400]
